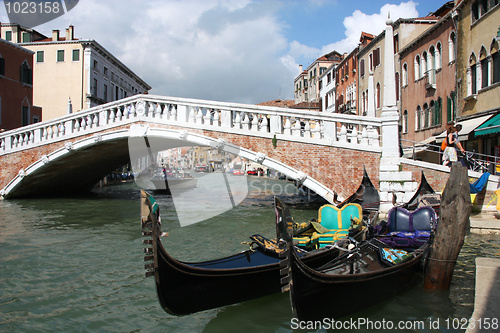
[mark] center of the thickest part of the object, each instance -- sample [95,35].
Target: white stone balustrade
[245,119]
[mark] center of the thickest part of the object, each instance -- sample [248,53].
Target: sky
[240,51]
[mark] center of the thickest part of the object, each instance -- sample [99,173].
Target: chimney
[300,68]
[55,35]
[70,33]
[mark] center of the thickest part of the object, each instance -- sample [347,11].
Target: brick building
[16,87]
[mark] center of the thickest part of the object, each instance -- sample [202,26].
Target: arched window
[425,118]
[432,114]
[472,76]
[378,95]
[405,75]
[485,70]
[418,73]
[397,86]
[438,55]
[404,121]
[452,42]
[424,63]
[495,61]
[26,73]
[432,65]
[418,117]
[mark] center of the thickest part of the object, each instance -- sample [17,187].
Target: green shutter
[39,56]
[449,110]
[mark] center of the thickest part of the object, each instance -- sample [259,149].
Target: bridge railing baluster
[227,117]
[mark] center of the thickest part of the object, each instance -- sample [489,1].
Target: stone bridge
[325,152]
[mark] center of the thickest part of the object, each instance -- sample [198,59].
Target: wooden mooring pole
[453,224]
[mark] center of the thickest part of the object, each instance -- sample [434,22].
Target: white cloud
[210,49]
[374,24]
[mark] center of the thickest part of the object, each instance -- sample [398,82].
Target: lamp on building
[70,107]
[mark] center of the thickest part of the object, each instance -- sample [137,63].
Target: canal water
[76,265]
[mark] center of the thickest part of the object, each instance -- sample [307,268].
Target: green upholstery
[333,224]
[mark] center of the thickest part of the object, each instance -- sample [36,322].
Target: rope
[443,260]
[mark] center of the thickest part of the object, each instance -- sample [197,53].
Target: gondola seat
[333,224]
[408,229]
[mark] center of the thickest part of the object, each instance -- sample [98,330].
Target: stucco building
[478,73]
[307,82]
[71,70]
[16,87]
[327,87]
[427,67]
[347,79]
[370,56]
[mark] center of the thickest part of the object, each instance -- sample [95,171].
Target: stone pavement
[486,315]
[484,223]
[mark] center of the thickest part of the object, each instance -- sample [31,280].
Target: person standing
[453,143]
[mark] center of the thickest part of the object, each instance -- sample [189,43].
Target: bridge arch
[80,165]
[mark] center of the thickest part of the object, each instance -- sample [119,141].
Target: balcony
[430,79]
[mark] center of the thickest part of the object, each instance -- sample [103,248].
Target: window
[26,73]
[25,116]
[2,66]
[426,116]
[39,56]
[484,69]
[60,55]
[8,36]
[76,55]
[94,88]
[26,37]
[376,57]
[370,60]
[450,111]
[424,64]
[481,7]
[96,64]
[418,72]
[397,86]
[452,46]
[405,75]
[362,67]
[495,59]
[396,43]
[105,71]
[418,117]
[438,56]
[472,82]
[105,91]
[378,95]
[404,122]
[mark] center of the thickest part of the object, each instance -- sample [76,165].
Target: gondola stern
[151,231]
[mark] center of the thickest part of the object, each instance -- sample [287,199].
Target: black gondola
[184,288]
[356,279]
[424,196]
[366,195]
[188,287]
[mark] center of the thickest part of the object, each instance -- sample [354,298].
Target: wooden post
[453,223]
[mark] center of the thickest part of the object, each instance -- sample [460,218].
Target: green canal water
[76,265]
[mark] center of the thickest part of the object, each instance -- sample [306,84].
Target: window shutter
[362,67]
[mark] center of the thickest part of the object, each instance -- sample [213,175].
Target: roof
[279,103]
[306,105]
[15,46]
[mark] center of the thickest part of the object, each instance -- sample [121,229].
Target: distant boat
[168,182]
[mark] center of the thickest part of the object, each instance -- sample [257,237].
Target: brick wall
[339,169]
